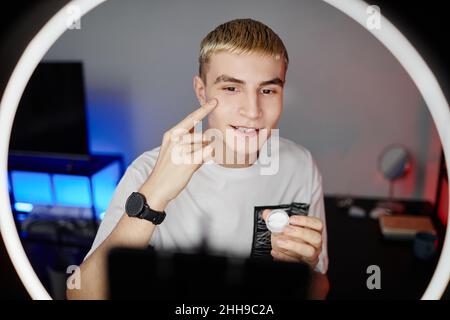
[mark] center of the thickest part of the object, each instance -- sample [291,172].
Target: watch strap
[154,216]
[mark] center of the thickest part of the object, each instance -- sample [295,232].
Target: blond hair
[241,36]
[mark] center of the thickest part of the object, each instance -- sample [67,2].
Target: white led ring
[394,41]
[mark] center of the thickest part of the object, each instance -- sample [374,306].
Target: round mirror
[394,162]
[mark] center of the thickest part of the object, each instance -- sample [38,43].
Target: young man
[242,72]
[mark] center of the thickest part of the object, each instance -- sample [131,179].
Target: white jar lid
[277,220]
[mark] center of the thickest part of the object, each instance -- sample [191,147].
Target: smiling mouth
[248,131]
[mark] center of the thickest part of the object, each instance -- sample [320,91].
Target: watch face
[135,204]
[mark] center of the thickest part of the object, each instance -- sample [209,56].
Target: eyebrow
[224,78]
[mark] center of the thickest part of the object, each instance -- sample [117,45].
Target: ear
[199,89]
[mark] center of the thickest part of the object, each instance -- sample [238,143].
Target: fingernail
[281,242]
[212,102]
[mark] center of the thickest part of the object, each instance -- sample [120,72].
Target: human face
[249,89]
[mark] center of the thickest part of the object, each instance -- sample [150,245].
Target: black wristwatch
[137,207]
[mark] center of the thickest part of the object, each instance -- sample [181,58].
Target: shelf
[76,165]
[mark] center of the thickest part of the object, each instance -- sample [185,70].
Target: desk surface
[356,243]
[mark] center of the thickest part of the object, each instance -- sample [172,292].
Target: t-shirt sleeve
[130,182]
[317,209]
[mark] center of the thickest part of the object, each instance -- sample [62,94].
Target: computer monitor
[51,116]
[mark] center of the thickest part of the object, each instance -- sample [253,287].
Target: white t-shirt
[219,204]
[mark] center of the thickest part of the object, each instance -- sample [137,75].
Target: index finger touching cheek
[189,122]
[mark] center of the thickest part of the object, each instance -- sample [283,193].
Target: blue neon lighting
[23,207]
[104,183]
[101,215]
[32,187]
[21,216]
[72,190]
[35,189]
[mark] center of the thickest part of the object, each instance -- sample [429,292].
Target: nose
[251,109]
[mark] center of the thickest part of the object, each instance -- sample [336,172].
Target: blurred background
[109,88]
